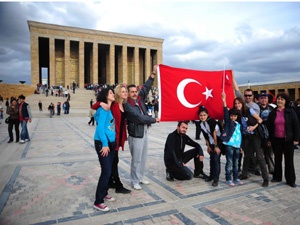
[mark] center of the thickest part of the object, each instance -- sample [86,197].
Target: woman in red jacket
[117,110]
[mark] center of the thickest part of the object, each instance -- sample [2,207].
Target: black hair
[286,97]
[181,122]
[102,95]
[130,86]
[202,109]
[234,111]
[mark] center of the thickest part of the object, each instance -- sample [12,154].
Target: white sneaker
[22,142]
[109,198]
[137,187]
[26,140]
[144,182]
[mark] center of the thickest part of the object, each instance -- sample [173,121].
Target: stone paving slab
[52,180]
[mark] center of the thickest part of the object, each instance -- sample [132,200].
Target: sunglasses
[248,95]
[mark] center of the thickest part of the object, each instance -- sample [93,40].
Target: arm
[133,115]
[236,88]
[170,155]
[217,149]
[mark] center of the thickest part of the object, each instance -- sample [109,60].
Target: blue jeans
[24,131]
[106,165]
[232,161]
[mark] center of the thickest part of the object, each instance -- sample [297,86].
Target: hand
[104,106]
[201,158]
[157,120]
[218,150]
[155,68]
[251,128]
[29,120]
[270,144]
[296,142]
[223,96]
[208,149]
[104,151]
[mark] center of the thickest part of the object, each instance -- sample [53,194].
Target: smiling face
[203,116]
[182,128]
[133,93]
[248,96]
[280,102]
[238,105]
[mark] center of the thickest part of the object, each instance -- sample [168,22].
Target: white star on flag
[207,93]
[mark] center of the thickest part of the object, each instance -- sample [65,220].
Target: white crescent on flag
[180,93]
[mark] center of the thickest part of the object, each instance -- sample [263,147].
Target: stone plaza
[52,180]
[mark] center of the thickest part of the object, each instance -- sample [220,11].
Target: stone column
[52,61]
[81,64]
[94,78]
[67,62]
[136,66]
[148,66]
[124,64]
[110,78]
[35,64]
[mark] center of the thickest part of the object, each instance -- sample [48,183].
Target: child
[232,139]
[210,131]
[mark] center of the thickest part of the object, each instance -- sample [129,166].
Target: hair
[202,109]
[117,90]
[181,122]
[240,100]
[102,95]
[286,97]
[130,86]
[248,89]
[13,99]
[22,97]
[234,111]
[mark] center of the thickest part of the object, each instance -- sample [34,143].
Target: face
[14,102]
[133,93]
[123,93]
[238,105]
[203,116]
[280,102]
[263,101]
[182,128]
[248,96]
[21,100]
[110,96]
[233,117]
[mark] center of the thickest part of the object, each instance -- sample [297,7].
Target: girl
[210,130]
[105,139]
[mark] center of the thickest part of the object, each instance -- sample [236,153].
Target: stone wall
[9,90]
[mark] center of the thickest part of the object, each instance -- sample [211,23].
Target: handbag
[263,131]
[7,120]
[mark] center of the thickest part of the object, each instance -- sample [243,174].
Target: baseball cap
[263,95]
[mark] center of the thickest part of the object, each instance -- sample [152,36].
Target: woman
[283,126]
[105,139]
[13,111]
[117,109]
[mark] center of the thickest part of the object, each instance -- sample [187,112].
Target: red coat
[117,115]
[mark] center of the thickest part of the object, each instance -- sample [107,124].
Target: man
[138,122]
[265,109]
[175,157]
[25,116]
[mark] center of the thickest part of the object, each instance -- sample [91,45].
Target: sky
[259,41]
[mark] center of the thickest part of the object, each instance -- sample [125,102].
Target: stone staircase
[79,103]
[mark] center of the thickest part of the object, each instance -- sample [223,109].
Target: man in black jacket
[175,157]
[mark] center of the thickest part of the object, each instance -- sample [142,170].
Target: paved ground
[52,180]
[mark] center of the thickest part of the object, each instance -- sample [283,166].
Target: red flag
[182,91]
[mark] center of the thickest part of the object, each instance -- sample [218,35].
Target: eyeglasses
[248,95]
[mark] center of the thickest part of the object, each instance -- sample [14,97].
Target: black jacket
[174,149]
[292,127]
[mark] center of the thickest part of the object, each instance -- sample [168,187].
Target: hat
[263,95]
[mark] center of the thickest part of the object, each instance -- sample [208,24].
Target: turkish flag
[182,91]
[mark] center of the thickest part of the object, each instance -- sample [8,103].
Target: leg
[289,170]
[277,147]
[248,152]
[235,160]
[229,159]
[10,128]
[256,143]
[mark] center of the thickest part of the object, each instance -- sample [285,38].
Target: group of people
[118,109]
[250,133]
[19,113]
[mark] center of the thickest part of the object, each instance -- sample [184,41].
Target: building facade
[292,88]
[61,55]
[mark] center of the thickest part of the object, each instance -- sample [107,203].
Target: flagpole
[224,78]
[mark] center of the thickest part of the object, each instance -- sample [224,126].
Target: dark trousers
[106,165]
[92,120]
[114,178]
[198,129]
[215,164]
[251,145]
[184,173]
[11,124]
[269,155]
[286,148]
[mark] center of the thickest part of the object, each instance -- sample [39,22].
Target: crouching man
[175,157]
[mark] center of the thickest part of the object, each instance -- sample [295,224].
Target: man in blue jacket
[25,117]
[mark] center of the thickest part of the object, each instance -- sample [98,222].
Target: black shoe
[208,179]
[275,180]
[112,185]
[200,175]
[169,176]
[17,140]
[10,141]
[293,185]
[123,190]
[243,177]
[257,173]
[265,183]
[215,183]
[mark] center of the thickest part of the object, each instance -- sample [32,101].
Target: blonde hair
[118,90]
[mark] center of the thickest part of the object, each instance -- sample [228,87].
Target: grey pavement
[52,180]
